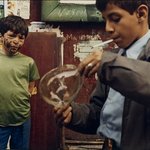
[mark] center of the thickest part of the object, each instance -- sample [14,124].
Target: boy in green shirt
[18,74]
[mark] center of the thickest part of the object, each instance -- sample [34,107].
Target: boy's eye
[12,35]
[115,18]
[21,36]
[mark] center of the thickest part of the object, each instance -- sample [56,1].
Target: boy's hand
[63,115]
[90,64]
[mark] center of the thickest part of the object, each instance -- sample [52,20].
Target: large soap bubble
[61,85]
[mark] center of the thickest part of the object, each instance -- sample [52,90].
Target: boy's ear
[142,13]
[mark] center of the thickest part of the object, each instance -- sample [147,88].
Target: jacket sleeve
[86,117]
[128,76]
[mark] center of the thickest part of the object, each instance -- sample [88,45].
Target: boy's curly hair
[15,24]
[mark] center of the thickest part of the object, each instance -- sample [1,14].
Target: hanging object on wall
[16,7]
[70,10]
[78,1]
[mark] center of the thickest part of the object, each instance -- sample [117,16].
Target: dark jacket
[132,79]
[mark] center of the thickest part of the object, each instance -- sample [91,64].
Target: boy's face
[12,42]
[123,27]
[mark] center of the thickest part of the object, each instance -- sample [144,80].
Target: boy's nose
[16,39]
[109,27]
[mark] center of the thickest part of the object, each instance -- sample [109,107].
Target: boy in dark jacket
[119,108]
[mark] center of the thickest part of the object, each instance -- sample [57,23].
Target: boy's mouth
[117,39]
[13,50]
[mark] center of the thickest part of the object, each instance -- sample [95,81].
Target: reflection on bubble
[61,85]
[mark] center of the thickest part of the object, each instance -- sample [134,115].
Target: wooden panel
[44,49]
[35,11]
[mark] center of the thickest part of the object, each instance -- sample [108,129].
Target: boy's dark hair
[128,5]
[15,24]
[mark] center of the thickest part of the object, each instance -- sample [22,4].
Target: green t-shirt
[15,74]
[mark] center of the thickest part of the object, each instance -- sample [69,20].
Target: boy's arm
[128,76]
